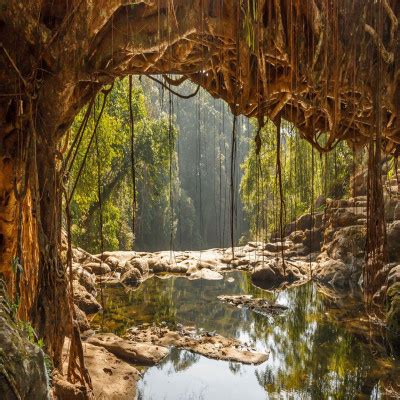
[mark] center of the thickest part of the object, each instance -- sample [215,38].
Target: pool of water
[318,349]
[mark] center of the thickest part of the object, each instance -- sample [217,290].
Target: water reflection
[311,355]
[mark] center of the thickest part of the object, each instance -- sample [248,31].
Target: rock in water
[137,353]
[23,372]
[258,305]
[208,344]
[84,300]
[131,277]
[206,274]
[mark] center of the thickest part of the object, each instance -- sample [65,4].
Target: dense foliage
[108,168]
[307,177]
[182,151]
[182,164]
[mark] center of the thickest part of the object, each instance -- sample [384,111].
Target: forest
[199,199]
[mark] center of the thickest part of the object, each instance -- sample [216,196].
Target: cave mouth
[330,73]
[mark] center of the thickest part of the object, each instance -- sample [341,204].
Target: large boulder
[97,268]
[393,240]
[304,222]
[297,237]
[343,217]
[23,373]
[85,278]
[114,262]
[347,245]
[312,239]
[273,273]
[84,300]
[141,264]
[131,277]
[393,316]
[205,273]
[335,273]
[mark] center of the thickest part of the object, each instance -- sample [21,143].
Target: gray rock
[23,372]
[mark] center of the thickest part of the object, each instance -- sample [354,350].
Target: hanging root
[278,123]
[133,162]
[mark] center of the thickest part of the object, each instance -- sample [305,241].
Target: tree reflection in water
[317,349]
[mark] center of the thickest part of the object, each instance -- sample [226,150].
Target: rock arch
[325,65]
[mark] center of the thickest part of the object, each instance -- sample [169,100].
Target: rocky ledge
[210,345]
[259,306]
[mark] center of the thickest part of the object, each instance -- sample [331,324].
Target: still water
[318,349]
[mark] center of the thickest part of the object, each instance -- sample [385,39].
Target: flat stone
[136,353]
[206,274]
[258,305]
[112,378]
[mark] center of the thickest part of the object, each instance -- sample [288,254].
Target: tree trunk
[50,312]
[30,228]
[19,253]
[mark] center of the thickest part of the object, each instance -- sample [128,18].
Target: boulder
[342,217]
[271,274]
[157,264]
[97,268]
[136,353]
[131,277]
[86,279]
[23,373]
[347,244]
[303,222]
[333,272]
[277,246]
[141,264]
[264,273]
[297,236]
[313,239]
[206,274]
[393,241]
[394,275]
[82,320]
[84,300]
[113,262]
